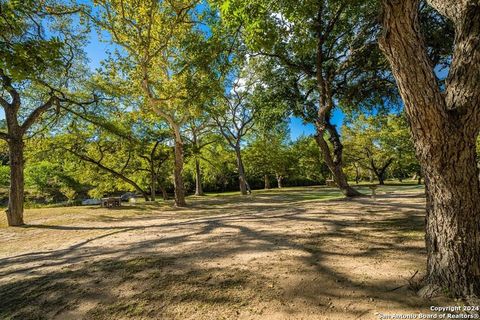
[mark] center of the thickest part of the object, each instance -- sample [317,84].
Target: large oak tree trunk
[444,126]
[198,179]
[453,216]
[16,194]
[178,171]
[241,172]
[334,163]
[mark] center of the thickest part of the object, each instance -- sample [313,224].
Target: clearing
[296,253]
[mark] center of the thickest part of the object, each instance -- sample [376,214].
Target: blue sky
[298,128]
[96,50]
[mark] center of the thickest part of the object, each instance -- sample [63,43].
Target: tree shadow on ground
[142,287]
[172,276]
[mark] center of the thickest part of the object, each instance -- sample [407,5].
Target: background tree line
[90,162]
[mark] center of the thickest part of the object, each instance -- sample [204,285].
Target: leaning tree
[445,123]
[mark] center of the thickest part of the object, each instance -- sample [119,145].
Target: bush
[4,176]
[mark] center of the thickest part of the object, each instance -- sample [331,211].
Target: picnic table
[111,202]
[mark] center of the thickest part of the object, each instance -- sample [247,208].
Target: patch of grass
[217,194]
[412,234]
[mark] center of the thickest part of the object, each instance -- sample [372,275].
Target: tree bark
[445,126]
[335,163]
[198,179]
[178,170]
[267,182]
[16,193]
[241,172]
[453,219]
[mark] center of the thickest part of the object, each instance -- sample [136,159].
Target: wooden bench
[111,202]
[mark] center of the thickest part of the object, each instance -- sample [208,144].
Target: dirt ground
[274,255]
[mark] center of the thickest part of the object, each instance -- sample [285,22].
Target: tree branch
[404,47]
[107,169]
[452,9]
[35,114]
